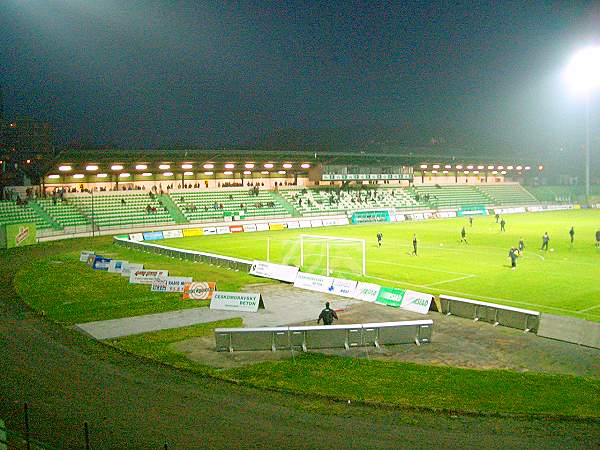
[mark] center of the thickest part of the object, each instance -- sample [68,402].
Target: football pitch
[565,280]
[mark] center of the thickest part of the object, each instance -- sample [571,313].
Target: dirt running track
[68,379]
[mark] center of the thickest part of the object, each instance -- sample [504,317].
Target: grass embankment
[396,384]
[56,284]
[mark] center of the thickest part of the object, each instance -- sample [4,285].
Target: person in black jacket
[327,315]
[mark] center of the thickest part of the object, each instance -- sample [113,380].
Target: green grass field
[563,281]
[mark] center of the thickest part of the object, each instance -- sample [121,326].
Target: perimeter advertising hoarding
[400,298]
[313,282]
[18,235]
[171,284]
[274,271]
[127,268]
[192,232]
[147,276]
[172,234]
[101,263]
[83,256]
[199,290]
[153,235]
[367,292]
[371,216]
[116,265]
[237,301]
[249,227]
[136,237]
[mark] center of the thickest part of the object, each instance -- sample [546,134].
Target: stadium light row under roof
[186,166]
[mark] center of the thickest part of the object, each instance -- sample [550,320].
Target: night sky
[143,73]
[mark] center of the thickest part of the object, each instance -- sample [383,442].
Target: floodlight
[124,175]
[249,166]
[53,176]
[281,172]
[208,173]
[101,175]
[228,172]
[583,71]
[188,174]
[268,165]
[247,172]
[287,166]
[168,174]
[164,166]
[91,168]
[208,166]
[305,165]
[186,166]
[423,166]
[146,174]
[141,167]
[116,167]
[64,168]
[78,175]
[229,166]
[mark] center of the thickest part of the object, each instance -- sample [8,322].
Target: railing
[318,337]
[189,255]
[522,319]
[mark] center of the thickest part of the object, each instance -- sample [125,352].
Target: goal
[335,250]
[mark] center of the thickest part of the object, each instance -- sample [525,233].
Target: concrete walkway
[284,305]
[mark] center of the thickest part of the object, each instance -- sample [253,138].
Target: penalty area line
[450,281]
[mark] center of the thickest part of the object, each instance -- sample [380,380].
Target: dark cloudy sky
[150,73]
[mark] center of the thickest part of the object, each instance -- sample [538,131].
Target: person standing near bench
[327,315]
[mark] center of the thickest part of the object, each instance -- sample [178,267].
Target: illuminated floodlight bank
[91,168]
[53,176]
[64,168]
[141,166]
[116,167]
[208,166]
[583,71]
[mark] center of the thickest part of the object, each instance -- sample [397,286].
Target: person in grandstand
[572,234]
[545,241]
[463,235]
[415,242]
[503,225]
[327,315]
[521,245]
[598,239]
[513,254]
[379,238]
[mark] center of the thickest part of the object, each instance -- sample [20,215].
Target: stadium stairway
[41,212]
[287,205]
[173,209]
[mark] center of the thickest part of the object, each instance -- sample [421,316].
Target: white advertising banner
[313,282]
[249,228]
[316,223]
[83,256]
[274,271]
[343,221]
[367,292]
[535,208]
[147,276]
[223,230]
[170,234]
[209,230]
[509,210]
[116,265]
[329,222]
[170,284]
[127,268]
[446,214]
[262,227]
[236,301]
[342,287]
[416,301]
[136,237]
[304,223]
[417,216]
[293,225]
[400,217]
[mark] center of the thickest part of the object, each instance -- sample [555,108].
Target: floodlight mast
[583,74]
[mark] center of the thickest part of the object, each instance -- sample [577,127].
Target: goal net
[332,255]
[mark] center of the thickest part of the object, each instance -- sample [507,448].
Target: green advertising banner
[18,235]
[371,216]
[390,296]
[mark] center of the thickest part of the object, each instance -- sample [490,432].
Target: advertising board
[371,216]
[209,230]
[316,223]
[192,232]
[171,234]
[342,287]
[236,228]
[223,230]
[262,227]
[199,290]
[249,228]
[400,298]
[274,271]
[170,284]
[153,235]
[276,226]
[116,265]
[100,263]
[304,224]
[236,301]
[367,292]
[127,268]
[147,276]
[19,235]
[313,282]
[83,256]
[136,237]
[293,225]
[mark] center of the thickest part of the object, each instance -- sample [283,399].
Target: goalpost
[328,240]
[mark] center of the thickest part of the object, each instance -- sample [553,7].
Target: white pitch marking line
[450,281]
[588,309]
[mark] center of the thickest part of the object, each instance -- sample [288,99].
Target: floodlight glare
[583,71]
[53,176]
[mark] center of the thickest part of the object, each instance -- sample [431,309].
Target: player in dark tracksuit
[521,245]
[513,254]
[463,235]
[598,239]
[572,234]
[327,315]
[379,238]
[545,241]
[414,244]
[502,225]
